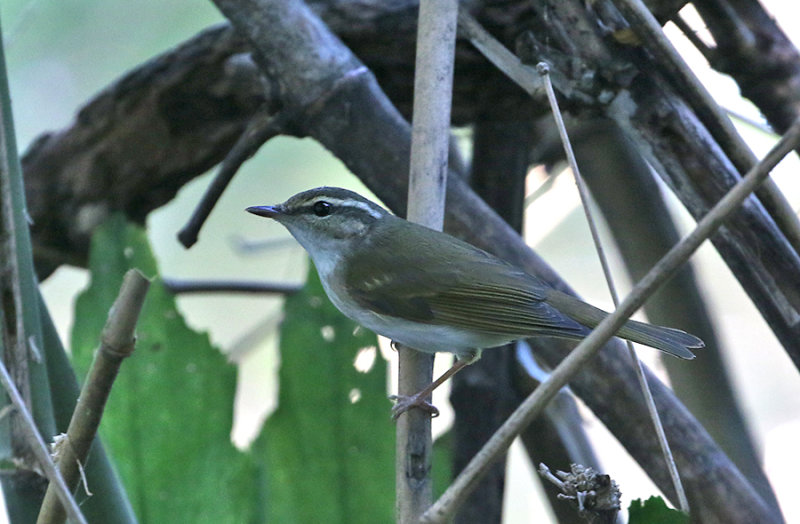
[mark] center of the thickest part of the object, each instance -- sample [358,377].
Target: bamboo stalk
[433,86]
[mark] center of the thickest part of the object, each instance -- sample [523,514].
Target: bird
[433,292]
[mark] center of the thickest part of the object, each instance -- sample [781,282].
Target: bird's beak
[265,211]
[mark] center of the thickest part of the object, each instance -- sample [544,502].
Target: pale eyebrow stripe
[374,213]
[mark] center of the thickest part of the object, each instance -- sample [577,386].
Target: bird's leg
[403,403]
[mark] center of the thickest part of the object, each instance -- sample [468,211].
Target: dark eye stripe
[322,208]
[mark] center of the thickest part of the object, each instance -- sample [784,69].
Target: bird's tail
[670,340]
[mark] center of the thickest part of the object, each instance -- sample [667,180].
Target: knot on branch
[117,350]
[596,496]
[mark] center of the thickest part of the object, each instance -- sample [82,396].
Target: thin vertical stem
[433,85]
[543,70]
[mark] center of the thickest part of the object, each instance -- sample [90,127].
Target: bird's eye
[322,208]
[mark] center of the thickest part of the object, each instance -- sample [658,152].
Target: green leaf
[18,283]
[326,458]
[168,421]
[654,511]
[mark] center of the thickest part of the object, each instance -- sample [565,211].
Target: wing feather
[480,292]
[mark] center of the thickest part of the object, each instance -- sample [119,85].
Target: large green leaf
[326,457]
[167,424]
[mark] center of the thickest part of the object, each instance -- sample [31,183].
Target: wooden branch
[714,119]
[108,495]
[751,245]
[117,342]
[677,142]
[262,127]
[427,183]
[174,118]
[753,49]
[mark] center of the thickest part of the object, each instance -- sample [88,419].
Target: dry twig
[116,344]
[427,182]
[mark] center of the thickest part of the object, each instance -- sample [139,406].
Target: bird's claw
[403,403]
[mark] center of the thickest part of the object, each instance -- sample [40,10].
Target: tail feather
[673,341]
[670,340]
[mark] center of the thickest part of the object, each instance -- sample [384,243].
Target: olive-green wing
[475,291]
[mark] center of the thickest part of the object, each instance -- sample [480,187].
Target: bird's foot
[404,402]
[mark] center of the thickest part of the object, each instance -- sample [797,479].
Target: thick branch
[754,51]
[140,140]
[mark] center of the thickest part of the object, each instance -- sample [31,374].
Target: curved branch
[136,143]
